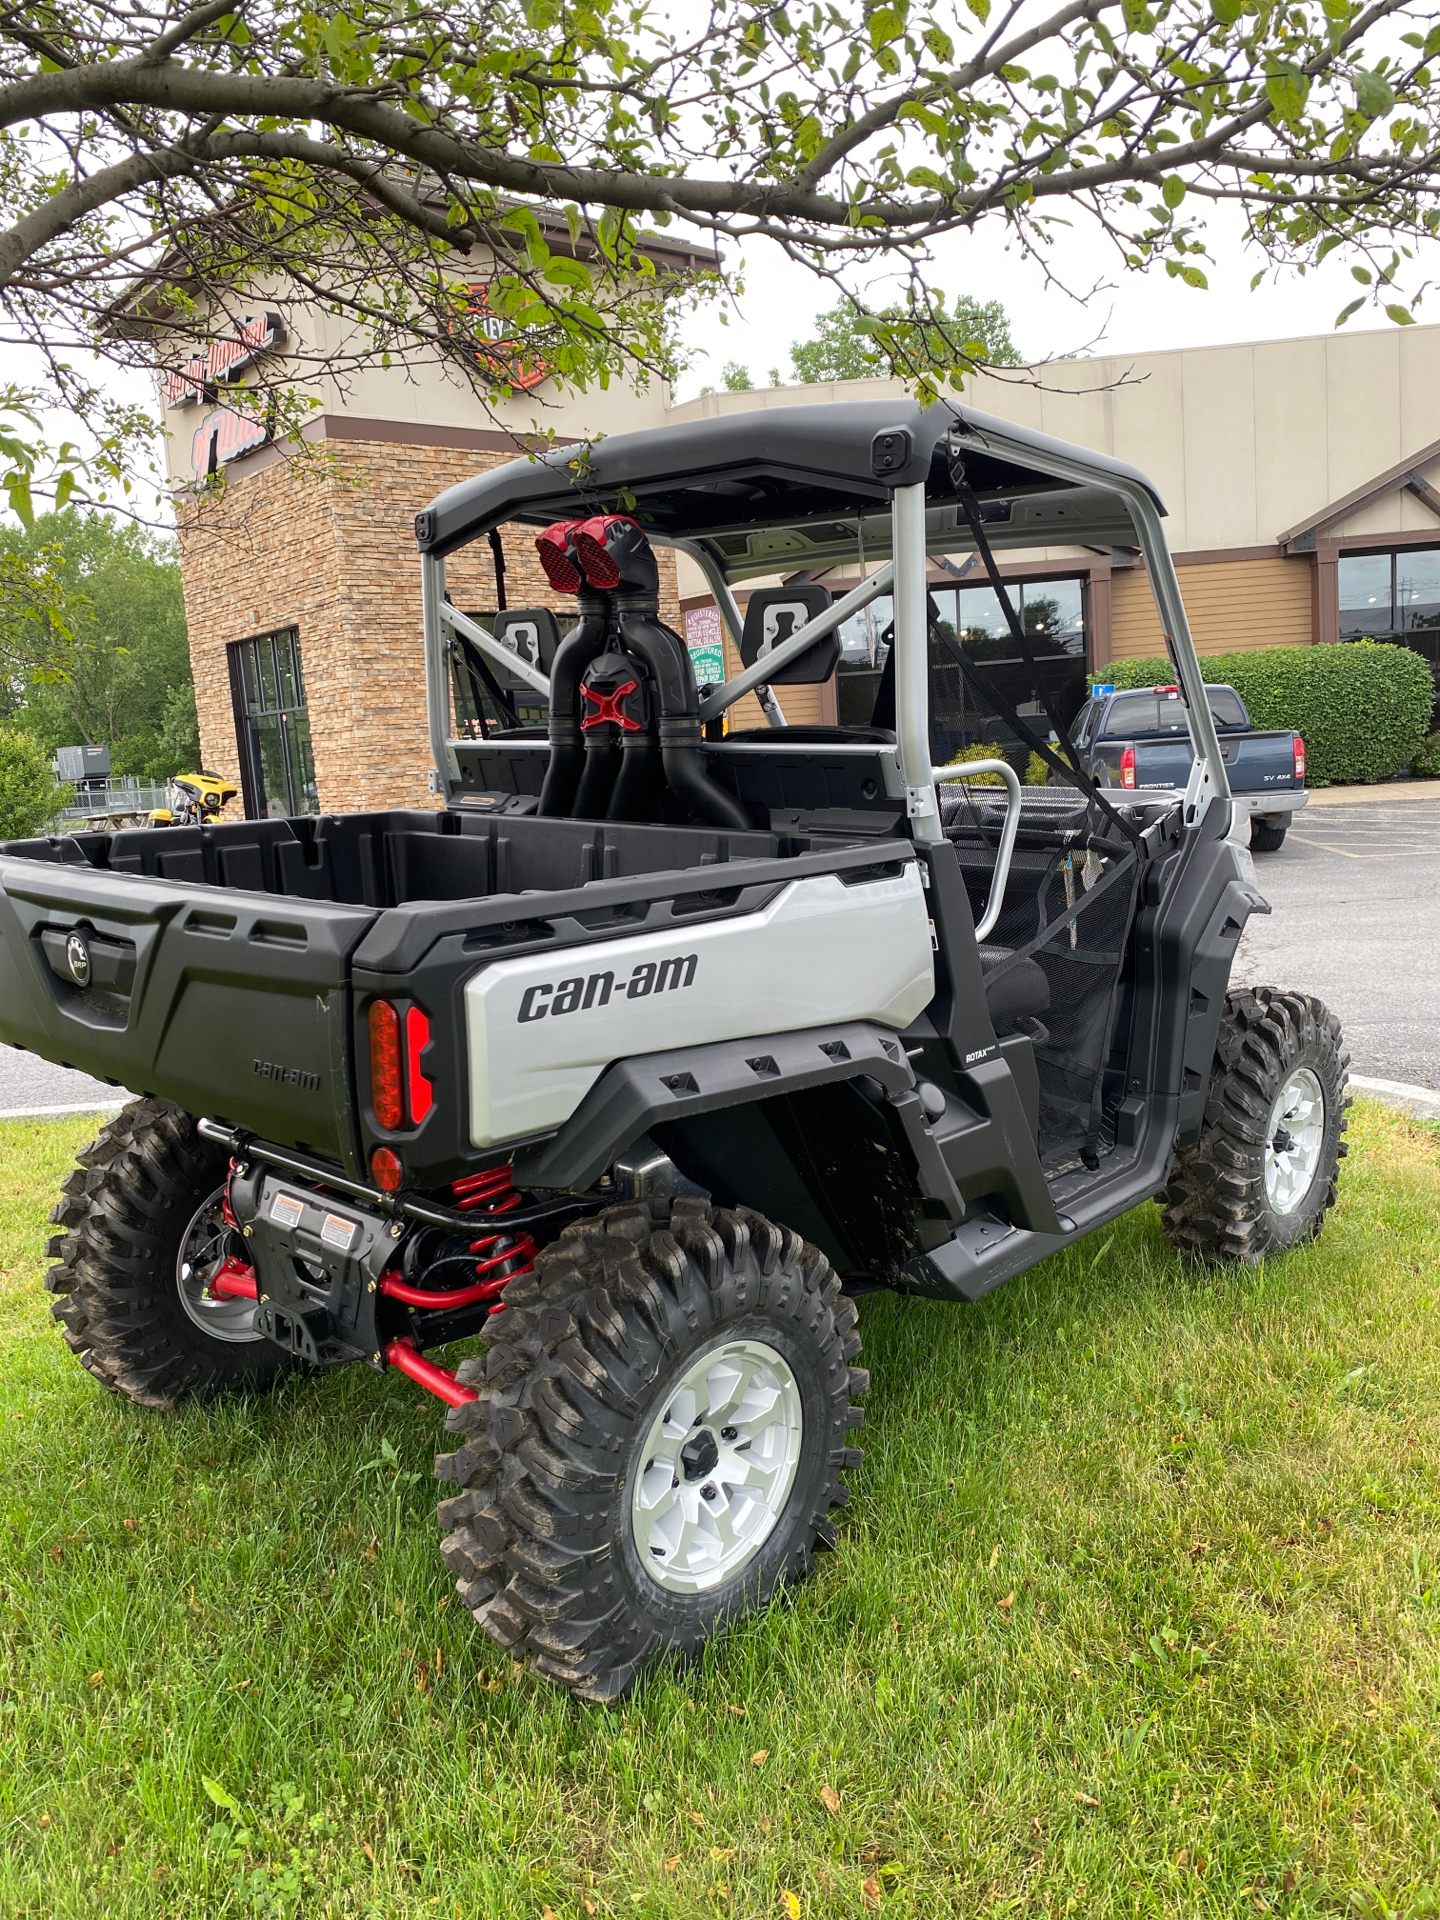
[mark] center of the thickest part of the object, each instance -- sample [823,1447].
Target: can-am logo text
[581,992]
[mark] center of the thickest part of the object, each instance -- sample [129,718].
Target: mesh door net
[1069,905]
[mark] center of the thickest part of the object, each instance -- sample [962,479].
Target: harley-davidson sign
[223,436]
[224,360]
[499,351]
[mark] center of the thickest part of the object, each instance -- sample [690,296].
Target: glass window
[1053,614]
[1389,594]
[272,725]
[1226,707]
[1137,713]
[1417,591]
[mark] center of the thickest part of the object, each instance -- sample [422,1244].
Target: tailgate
[1260,762]
[231,1005]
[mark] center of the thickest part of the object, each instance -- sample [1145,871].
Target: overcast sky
[1129,313]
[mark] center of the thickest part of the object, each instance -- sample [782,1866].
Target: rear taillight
[1299,746]
[1127,767]
[386,1092]
[400,1094]
[386,1170]
[417,1038]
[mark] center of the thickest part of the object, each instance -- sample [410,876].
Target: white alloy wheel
[717,1467]
[1294,1137]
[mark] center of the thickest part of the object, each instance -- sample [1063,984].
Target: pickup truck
[1140,740]
[652,1047]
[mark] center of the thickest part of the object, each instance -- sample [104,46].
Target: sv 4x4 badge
[580,993]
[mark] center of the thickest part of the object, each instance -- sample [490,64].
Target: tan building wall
[1232,605]
[1241,441]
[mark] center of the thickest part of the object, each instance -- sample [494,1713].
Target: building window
[1392,596]
[272,725]
[1053,613]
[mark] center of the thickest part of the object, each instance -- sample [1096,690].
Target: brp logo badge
[77,959]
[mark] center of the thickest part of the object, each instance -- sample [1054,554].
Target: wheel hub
[203,1251]
[699,1454]
[717,1466]
[1295,1138]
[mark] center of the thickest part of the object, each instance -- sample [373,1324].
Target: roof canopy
[720,480]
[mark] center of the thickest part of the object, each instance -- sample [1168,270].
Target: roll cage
[803,488]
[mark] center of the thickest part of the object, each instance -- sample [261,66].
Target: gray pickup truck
[1140,740]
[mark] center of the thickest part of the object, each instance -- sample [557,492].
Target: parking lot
[1356,896]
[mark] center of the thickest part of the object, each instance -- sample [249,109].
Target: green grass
[1137,1612]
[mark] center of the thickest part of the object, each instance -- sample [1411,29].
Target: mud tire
[540,1536]
[1215,1205]
[122,1217]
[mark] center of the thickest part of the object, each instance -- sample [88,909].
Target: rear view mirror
[773,615]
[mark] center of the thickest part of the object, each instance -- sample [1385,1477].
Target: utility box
[78,766]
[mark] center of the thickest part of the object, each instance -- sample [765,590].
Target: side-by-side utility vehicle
[657,1044]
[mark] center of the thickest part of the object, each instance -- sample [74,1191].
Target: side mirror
[773,615]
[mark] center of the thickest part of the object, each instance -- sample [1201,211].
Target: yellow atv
[195,798]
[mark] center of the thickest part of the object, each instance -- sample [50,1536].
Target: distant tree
[29,797]
[849,344]
[737,378]
[122,676]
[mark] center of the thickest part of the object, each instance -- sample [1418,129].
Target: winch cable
[1072,771]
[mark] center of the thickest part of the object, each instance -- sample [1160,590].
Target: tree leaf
[790,1904]
[1173,191]
[1402,316]
[830,1799]
[1374,95]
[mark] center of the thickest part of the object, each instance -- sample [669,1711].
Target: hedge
[1362,708]
[29,798]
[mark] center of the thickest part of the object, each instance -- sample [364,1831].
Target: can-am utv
[658,1044]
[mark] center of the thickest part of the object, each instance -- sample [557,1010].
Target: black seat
[1020,993]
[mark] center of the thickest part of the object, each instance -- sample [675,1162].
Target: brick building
[1302,479]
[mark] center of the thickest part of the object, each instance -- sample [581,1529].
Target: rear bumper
[1280,801]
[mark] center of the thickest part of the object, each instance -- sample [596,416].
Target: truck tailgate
[229,1004]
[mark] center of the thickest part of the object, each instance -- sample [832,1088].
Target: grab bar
[957,776]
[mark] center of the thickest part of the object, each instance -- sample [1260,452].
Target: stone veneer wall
[326,544]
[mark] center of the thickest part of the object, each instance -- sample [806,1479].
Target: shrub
[1426,764]
[1362,708]
[29,797]
[982,750]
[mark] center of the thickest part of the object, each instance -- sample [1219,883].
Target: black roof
[771,465]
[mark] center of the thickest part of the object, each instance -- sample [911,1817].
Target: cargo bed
[216,967]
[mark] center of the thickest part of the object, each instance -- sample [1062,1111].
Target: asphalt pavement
[1355,893]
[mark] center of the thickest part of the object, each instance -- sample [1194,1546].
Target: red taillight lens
[1127,767]
[1299,745]
[417,1037]
[386,1170]
[386,1095]
[553,547]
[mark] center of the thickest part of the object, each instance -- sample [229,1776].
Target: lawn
[1137,1611]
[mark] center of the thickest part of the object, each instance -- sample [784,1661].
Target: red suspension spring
[502,1256]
